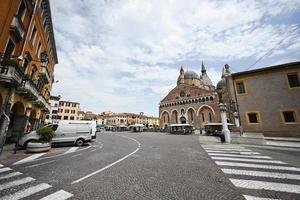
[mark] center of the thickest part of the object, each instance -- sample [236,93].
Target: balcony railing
[45,74]
[18,28]
[10,75]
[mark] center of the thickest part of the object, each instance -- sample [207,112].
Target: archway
[17,122]
[174,117]
[165,119]
[191,116]
[182,120]
[206,114]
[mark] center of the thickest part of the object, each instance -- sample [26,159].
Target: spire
[203,70]
[181,70]
[223,72]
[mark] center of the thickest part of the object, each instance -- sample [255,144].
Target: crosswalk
[14,185]
[259,177]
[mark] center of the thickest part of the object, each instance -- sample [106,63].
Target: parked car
[75,133]
[181,129]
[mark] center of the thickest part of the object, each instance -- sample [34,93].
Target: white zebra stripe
[16,183]
[248,197]
[281,187]
[71,150]
[250,165]
[5,169]
[10,175]
[261,174]
[26,192]
[248,160]
[235,152]
[238,156]
[59,195]
[219,149]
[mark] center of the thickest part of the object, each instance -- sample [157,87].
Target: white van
[74,133]
[92,123]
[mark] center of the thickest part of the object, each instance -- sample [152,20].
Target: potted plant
[44,143]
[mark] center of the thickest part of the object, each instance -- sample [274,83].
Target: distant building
[126,119]
[68,110]
[52,117]
[193,101]
[81,115]
[267,100]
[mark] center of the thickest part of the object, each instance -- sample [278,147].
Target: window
[33,34]
[54,111]
[9,49]
[253,118]
[240,87]
[55,105]
[289,116]
[203,119]
[47,116]
[45,24]
[67,111]
[293,80]
[66,118]
[54,127]
[33,70]
[210,117]
[38,52]
[61,103]
[71,118]
[59,117]
[21,11]
[73,111]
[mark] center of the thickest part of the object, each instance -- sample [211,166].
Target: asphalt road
[138,166]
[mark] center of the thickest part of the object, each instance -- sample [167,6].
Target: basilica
[193,101]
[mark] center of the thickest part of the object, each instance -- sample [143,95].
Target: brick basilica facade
[193,101]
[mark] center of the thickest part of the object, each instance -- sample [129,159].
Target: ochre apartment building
[27,60]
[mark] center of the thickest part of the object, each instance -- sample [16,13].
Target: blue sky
[125,56]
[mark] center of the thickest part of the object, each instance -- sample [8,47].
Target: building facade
[68,110]
[193,101]
[27,60]
[52,117]
[267,99]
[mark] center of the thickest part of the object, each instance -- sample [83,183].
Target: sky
[125,55]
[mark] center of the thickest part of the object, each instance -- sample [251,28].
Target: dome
[191,75]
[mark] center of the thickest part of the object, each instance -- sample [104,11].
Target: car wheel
[79,142]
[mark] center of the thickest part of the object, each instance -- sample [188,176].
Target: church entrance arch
[182,120]
[165,118]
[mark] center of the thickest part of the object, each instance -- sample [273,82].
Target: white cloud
[122,55]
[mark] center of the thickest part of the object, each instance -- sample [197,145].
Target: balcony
[45,75]
[17,28]
[10,74]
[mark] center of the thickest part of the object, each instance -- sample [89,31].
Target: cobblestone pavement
[144,166]
[258,176]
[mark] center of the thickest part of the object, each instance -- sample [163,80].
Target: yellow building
[27,60]
[68,110]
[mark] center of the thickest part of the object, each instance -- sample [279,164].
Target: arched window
[210,117]
[203,119]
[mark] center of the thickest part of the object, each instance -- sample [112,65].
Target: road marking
[30,158]
[239,156]
[30,166]
[26,192]
[16,183]
[261,174]
[219,149]
[236,164]
[10,175]
[59,195]
[72,149]
[76,155]
[248,160]
[5,169]
[250,184]
[93,150]
[248,197]
[205,147]
[236,152]
[110,165]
